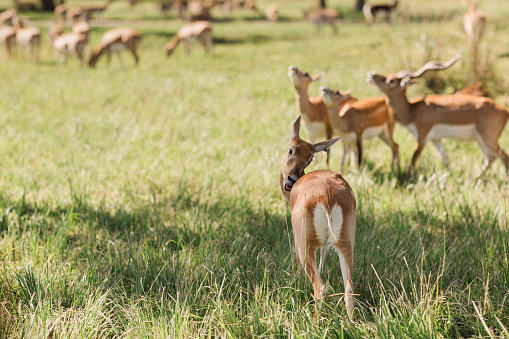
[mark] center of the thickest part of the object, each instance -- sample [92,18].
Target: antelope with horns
[312,109]
[198,30]
[435,117]
[356,120]
[370,11]
[322,208]
[116,40]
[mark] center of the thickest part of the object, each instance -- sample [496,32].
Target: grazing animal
[371,11]
[8,39]
[434,117]
[323,17]
[70,43]
[29,37]
[322,208]
[356,120]
[312,109]
[198,30]
[116,40]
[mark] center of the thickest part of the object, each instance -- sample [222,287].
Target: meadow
[143,202]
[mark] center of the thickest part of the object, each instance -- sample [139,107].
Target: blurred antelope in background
[29,37]
[271,13]
[474,23]
[371,11]
[356,120]
[116,40]
[323,17]
[97,10]
[462,117]
[8,39]
[200,31]
[7,17]
[70,43]
[322,206]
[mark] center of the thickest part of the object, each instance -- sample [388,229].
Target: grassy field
[143,202]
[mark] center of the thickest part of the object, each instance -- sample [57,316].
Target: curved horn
[430,66]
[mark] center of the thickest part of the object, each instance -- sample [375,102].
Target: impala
[356,120]
[322,17]
[444,116]
[370,11]
[29,37]
[116,40]
[322,208]
[198,30]
[312,109]
[8,38]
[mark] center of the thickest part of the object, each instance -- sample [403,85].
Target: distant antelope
[70,43]
[60,12]
[312,109]
[434,117]
[163,7]
[8,39]
[199,12]
[371,11]
[25,6]
[323,17]
[271,13]
[116,40]
[83,28]
[97,10]
[356,120]
[322,206]
[474,23]
[74,15]
[199,30]
[29,37]
[7,17]
[54,31]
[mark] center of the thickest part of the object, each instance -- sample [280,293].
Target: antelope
[198,30]
[60,12]
[83,28]
[312,109]
[54,31]
[322,17]
[29,37]
[116,40]
[370,11]
[322,206]
[435,117]
[70,43]
[272,13]
[356,120]
[97,10]
[7,17]
[199,12]
[474,23]
[163,7]
[76,14]
[8,38]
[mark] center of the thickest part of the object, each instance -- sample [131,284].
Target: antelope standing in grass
[356,120]
[8,39]
[370,11]
[60,12]
[70,43]
[312,109]
[116,40]
[83,28]
[323,17]
[435,117]
[29,37]
[200,31]
[322,212]
[7,17]
[97,10]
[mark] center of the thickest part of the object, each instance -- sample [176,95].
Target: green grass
[143,202]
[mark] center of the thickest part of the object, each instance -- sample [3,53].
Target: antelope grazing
[198,30]
[116,40]
[7,17]
[370,11]
[29,37]
[322,17]
[8,39]
[70,43]
[271,13]
[474,23]
[322,208]
[312,109]
[454,116]
[358,120]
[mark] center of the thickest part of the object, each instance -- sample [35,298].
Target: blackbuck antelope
[322,208]
[29,37]
[116,40]
[323,17]
[7,17]
[200,31]
[444,116]
[371,11]
[312,109]
[8,38]
[474,23]
[356,120]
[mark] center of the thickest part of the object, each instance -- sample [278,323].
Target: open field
[144,202]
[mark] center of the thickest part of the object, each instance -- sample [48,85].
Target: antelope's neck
[401,108]
[303,104]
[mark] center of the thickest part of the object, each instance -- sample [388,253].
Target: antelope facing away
[322,208]
[323,17]
[200,31]
[8,38]
[116,40]
[70,43]
[356,120]
[312,109]
[29,37]
[435,117]
[370,11]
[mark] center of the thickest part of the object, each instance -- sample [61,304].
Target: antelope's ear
[407,82]
[316,77]
[296,128]
[346,93]
[324,145]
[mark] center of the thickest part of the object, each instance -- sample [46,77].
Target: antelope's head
[301,79]
[332,98]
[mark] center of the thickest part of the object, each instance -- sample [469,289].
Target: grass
[143,202]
